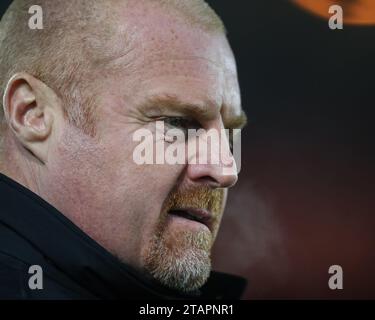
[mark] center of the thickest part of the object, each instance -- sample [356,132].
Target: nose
[212,176]
[221,173]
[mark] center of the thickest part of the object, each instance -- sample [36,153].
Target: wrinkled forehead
[168,46]
[161,34]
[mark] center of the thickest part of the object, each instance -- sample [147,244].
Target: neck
[18,164]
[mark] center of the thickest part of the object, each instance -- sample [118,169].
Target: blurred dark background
[305,198]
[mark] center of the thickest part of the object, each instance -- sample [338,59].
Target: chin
[186,273]
[180,260]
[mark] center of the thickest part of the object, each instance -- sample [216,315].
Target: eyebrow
[237,122]
[200,111]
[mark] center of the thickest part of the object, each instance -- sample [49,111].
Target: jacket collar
[84,260]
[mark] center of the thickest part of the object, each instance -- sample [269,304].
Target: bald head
[79,38]
[79,91]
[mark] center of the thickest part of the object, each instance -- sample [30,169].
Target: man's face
[187,78]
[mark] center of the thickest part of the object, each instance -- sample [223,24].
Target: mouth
[201,216]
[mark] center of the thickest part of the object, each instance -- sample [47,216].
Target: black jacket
[32,232]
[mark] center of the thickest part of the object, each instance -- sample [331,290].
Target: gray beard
[180,261]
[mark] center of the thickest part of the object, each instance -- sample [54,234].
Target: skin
[94,180]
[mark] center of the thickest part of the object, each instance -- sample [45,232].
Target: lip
[202,215]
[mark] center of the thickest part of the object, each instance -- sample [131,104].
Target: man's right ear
[30,111]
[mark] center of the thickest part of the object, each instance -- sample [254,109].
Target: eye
[231,145]
[231,141]
[181,123]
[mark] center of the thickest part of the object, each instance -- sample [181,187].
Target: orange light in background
[356,12]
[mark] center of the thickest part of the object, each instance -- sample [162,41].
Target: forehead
[173,57]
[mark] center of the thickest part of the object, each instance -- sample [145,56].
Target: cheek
[225,197]
[142,189]
[146,182]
